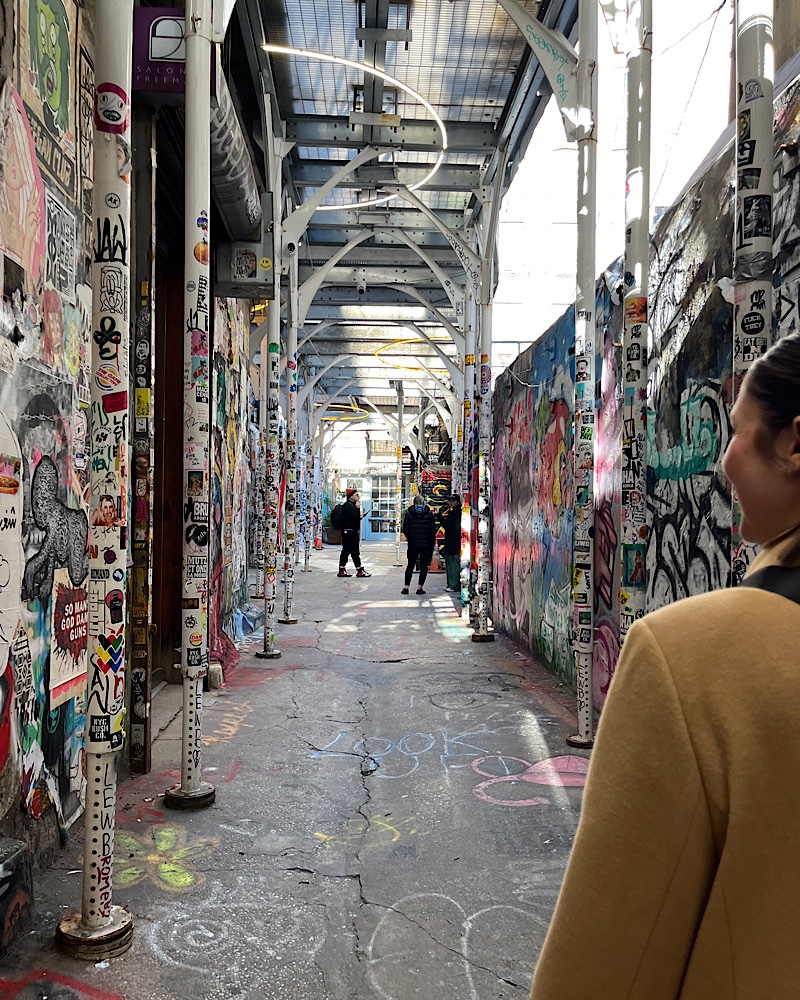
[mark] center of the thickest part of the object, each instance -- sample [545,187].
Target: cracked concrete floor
[395,805]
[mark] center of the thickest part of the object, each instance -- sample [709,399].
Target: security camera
[361,286]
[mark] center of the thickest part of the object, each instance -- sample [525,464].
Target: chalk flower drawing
[162,858]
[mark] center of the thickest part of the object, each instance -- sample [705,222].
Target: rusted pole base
[287,621]
[271,654]
[93,944]
[204,796]
[581,742]
[483,637]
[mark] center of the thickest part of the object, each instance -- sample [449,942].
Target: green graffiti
[49,30]
[698,447]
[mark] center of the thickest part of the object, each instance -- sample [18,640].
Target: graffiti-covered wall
[46,131]
[534,494]
[231,476]
[688,402]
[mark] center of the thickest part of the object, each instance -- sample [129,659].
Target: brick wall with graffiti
[231,458]
[46,135]
[689,396]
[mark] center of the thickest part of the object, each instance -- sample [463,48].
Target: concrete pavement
[395,805]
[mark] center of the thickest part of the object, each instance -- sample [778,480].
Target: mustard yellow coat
[684,878]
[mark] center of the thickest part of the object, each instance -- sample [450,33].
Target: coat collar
[781,551]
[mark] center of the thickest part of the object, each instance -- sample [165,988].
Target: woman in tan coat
[684,879]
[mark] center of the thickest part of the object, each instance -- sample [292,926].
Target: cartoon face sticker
[111,108]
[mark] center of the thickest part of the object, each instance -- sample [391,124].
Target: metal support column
[752,241]
[398,501]
[100,929]
[290,501]
[585,410]
[308,487]
[192,792]
[636,332]
[270,368]
[484,416]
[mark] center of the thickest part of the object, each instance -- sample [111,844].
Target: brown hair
[773,382]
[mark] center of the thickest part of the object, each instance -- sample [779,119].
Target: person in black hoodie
[419,527]
[351,535]
[450,519]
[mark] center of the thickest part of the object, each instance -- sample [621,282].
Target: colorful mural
[45,331]
[533,497]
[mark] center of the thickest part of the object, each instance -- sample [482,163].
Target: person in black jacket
[351,535]
[419,527]
[450,519]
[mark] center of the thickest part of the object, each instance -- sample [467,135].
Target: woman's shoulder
[719,620]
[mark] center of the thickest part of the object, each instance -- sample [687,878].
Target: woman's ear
[794,445]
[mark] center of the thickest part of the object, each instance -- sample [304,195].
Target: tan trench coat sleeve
[643,859]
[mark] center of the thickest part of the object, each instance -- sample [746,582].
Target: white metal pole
[197,352]
[585,410]
[271,366]
[319,476]
[290,496]
[636,331]
[482,633]
[752,241]
[398,501]
[466,433]
[101,929]
[261,474]
[309,486]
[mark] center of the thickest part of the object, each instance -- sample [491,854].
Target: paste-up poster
[22,206]
[47,54]
[69,639]
[11,554]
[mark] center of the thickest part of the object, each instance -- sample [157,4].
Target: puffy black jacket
[419,527]
[451,522]
[351,516]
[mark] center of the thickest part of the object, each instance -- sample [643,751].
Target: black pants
[350,547]
[424,555]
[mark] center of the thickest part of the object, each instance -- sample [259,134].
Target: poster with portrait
[48,32]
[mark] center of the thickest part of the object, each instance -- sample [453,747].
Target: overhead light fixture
[341,61]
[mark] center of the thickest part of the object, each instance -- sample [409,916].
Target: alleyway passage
[390,820]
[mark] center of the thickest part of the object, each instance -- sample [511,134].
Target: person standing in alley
[351,535]
[419,527]
[449,517]
[684,878]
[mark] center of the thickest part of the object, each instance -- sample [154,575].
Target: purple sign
[159,51]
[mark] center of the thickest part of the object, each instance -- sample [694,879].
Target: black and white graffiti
[65,543]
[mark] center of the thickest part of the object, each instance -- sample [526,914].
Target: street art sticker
[69,637]
[61,237]
[85,143]
[22,198]
[48,30]
[21,665]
